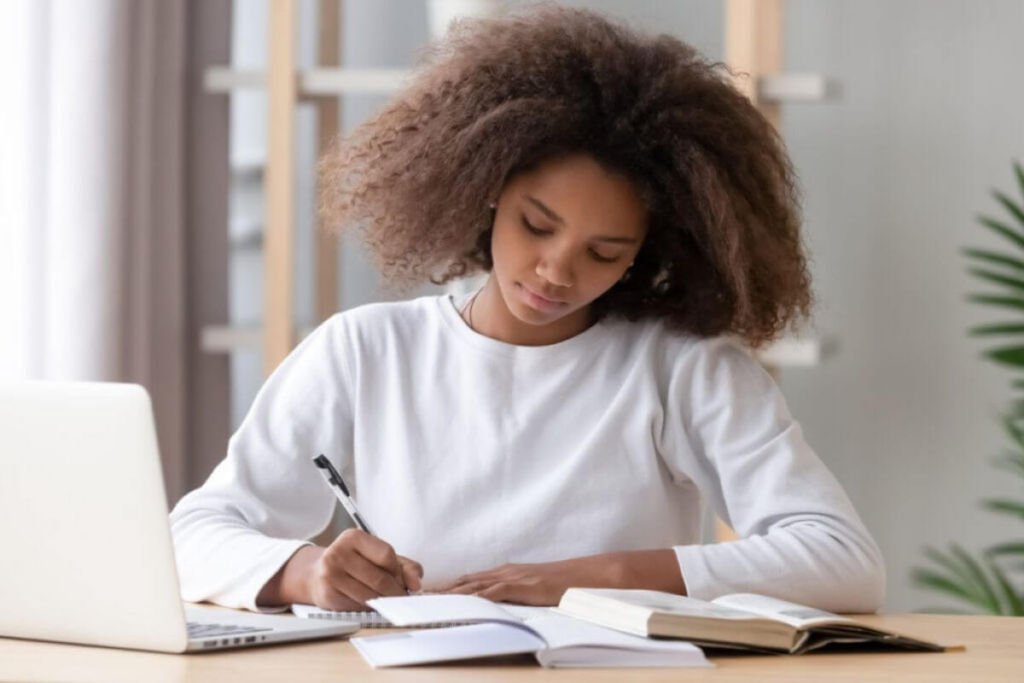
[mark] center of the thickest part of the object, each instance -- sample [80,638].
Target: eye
[594,254]
[532,229]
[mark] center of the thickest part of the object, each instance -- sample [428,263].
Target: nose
[556,267]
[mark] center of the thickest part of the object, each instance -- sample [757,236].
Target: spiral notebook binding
[377,620]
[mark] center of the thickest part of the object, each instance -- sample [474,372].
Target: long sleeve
[264,499]
[801,539]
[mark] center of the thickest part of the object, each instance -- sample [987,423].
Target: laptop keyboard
[202,630]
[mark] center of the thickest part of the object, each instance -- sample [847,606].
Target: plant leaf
[1009,355]
[995,300]
[953,567]
[1020,176]
[1016,548]
[1013,601]
[1002,230]
[1015,432]
[1018,407]
[994,257]
[925,578]
[959,575]
[1010,205]
[997,278]
[997,328]
[979,577]
[1009,507]
[1010,462]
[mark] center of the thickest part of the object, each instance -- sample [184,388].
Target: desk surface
[995,652]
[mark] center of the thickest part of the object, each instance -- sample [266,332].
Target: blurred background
[157,217]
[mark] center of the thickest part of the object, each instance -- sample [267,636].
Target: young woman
[561,425]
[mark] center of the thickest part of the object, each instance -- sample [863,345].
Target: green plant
[985,584]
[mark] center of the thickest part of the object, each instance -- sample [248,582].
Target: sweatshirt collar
[451,304]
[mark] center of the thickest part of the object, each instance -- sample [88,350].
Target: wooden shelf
[228,339]
[796,352]
[333,82]
[312,82]
[793,88]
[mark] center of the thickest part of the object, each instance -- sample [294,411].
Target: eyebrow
[558,219]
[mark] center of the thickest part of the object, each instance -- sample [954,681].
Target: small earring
[493,206]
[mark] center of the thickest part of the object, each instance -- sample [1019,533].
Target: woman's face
[565,231]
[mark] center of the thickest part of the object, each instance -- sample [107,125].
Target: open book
[493,630]
[741,621]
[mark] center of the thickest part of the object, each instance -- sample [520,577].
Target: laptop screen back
[87,553]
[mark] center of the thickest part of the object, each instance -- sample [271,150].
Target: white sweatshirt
[465,452]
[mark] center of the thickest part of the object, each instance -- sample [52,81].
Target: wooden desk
[995,652]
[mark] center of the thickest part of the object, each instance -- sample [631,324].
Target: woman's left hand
[543,583]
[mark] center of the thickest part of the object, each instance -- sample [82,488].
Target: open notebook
[554,640]
[374,619]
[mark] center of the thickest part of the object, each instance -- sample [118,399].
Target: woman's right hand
[358,567]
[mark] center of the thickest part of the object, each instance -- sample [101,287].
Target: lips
[539,301]
[542,296]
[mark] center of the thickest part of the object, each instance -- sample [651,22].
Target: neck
[492,318]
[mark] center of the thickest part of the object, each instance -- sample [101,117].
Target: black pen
[337,484]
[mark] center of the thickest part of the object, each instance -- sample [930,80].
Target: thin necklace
[469,307]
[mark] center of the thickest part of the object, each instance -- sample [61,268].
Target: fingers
[331,589]
[467,588]
[364,567]
[354,589]
[344,568]
[503,592]
[525,584]
[355,542]
[414,565]
[378,552]
[330,597]
[496,591]
[412,571]
[479,577]
[373,577]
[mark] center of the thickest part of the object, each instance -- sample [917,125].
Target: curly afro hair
[495,97]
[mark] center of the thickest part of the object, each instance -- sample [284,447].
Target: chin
[534,317]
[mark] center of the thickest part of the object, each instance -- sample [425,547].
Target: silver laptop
[86,545]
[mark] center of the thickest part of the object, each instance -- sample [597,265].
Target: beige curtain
[96,283]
